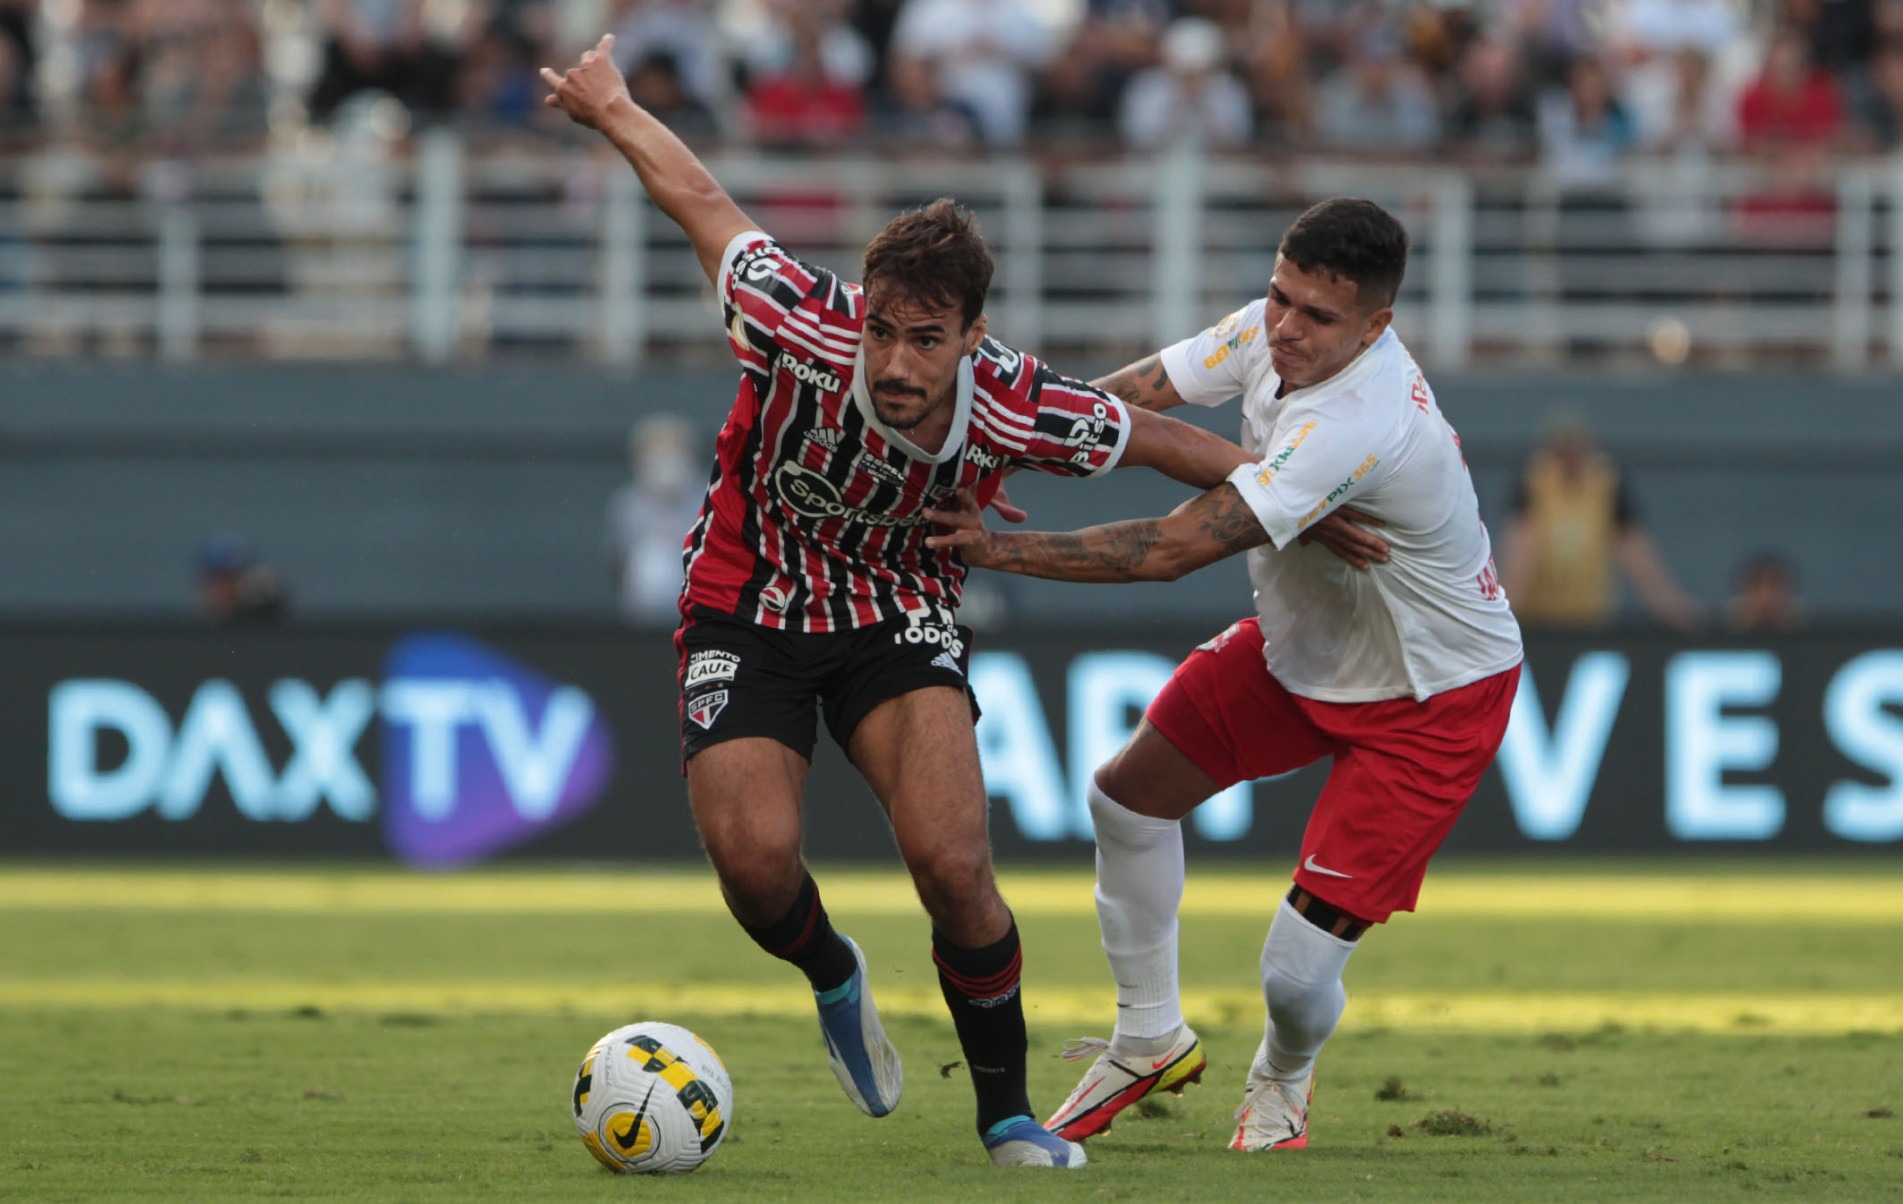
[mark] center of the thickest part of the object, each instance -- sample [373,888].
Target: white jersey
[1431,619]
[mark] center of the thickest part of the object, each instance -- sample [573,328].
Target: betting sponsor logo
[710,664]
[1366,467]
[805,373]
[811,495]
[1275,463]
[1215,358]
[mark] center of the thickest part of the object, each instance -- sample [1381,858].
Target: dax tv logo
[478,752]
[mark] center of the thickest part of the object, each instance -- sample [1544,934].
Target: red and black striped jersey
[814,518]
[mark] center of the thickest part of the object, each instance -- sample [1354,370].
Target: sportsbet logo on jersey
[807,493]
[479,753]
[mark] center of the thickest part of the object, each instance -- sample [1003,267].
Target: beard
[905,422]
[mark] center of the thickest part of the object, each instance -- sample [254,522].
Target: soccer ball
[652,1099]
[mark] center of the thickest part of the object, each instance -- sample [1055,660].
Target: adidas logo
[946,660]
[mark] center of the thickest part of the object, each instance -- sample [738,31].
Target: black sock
[805,937]
[981,989]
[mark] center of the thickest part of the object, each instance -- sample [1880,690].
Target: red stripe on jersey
[813,522]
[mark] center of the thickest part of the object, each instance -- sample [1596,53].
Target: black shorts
[740,679]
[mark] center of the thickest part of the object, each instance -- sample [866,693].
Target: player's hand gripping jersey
[814,517]
[1434,617]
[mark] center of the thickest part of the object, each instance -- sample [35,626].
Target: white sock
[1301,981]
[1139,887]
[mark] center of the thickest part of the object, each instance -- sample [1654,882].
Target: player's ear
[974,335]
[1378,323]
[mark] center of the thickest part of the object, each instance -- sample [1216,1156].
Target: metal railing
[454,254]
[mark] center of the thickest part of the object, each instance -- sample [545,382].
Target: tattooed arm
[1201,531]
[1144,384]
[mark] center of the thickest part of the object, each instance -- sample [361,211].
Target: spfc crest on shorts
[706,708]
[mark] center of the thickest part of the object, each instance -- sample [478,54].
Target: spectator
[497,85]
[1879,107]
[388,46]
[1657,28]
[977,56]
[1840,33]
[657,85]
[1791,118]
[807,69]
[1081,90]
[1276,51]
[1584,132]
[1573,527]
[1680,108]
[235,588]
[19,56]
[1491,120]
[1190,99]
[1683,119]
[1377,102]
[1793,105]
[649,517]
[1764,596]
[197,70]
[681,33]
[918,114]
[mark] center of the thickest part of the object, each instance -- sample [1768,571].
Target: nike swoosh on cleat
[1312,868]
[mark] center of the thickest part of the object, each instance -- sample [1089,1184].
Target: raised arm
[1201,531]
[1144,385]
[593,93]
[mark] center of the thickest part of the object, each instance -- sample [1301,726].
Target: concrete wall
[398,491]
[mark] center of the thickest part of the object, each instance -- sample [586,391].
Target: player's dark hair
[1351,239]
[934,254]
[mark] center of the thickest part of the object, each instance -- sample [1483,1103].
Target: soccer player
[810,589]
[1401,670]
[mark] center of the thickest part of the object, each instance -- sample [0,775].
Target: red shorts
[1403,769]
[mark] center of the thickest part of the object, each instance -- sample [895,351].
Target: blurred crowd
[1576,85]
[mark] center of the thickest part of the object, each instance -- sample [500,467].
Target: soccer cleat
[863,1058]
[1021,1141]
[1274,1112]
[1117,1079]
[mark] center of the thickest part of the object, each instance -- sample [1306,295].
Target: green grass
[359,1034]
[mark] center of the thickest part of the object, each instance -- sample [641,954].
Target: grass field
[1573,1030]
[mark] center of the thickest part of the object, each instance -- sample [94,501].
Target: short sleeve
[760,285]
[1075,430]
[1314,466]
[1209,368]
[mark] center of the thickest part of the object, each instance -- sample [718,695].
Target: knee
[953,883]
[758,880]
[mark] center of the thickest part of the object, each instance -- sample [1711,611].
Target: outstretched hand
[1001,502]
[586,90]
[963,528]
[1343,532]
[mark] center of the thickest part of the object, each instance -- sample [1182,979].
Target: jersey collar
[961,415]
